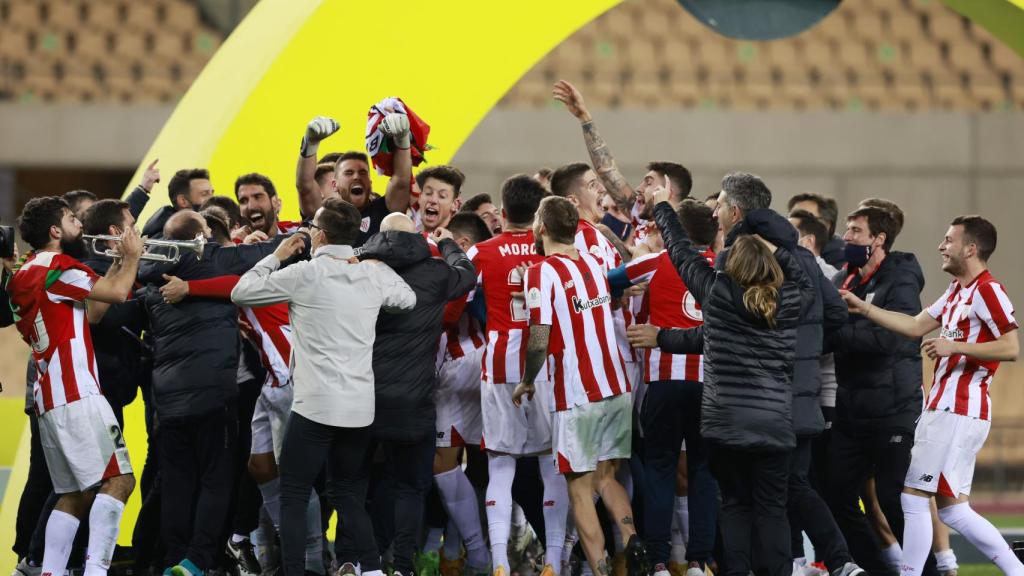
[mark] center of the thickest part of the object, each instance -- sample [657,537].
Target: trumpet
[175,247]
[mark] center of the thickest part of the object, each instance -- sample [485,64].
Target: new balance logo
[490,503]
[925,478]
[440,435]
[569,284]
[897,439]
[549,503]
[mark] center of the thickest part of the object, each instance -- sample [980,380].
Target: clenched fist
[318,128]
[396,125]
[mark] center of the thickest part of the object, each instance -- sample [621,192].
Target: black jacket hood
[396,249]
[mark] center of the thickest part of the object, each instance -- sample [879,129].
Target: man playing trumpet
[53,295]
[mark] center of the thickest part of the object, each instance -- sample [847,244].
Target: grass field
[978,570]
[1006,520]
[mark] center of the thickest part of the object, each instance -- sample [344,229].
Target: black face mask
[856,255]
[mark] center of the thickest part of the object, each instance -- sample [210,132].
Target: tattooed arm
[600,156]
[536,353]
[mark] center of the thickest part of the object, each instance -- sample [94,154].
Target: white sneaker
[849,569]
[25,569]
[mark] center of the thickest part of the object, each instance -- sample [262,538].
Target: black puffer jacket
[825,314]
[195,342]
[154,227]
[747,400]
[879,371]
[124,362]
[406,345]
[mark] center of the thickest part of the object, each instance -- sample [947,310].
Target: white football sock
[271,492]
[104,522]
[985,537]
[683,517]
[678,553]
[893,555]
[556,512]
[434,537]
[945,561]
[917,533]
[452,548]
[501,470]
[460,501]
[314,536]
[61,528]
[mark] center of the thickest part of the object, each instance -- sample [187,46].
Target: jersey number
[517,306]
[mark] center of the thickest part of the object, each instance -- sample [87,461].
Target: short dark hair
[545,172]
[563,178]
[322,169]
[746,191]
[520,196]
[450,175]
[828,211]
[795,199]
[476,201]
[830,214]
[74,198]
[559,218]
[228,205]
[879,221]
[329,158]
[36,218]
[979,232]
[677,174]
[809,224]
[890,207]
[181,182]
[351,155]
[99,217]
[340,221]
[470,225]
[698,220]
[255,179]
[712,197]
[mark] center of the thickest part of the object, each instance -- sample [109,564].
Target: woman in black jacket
[751,312]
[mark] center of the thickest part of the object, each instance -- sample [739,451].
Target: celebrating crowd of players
[660,384]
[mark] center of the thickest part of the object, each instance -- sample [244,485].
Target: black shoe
[636,557]
[242,554]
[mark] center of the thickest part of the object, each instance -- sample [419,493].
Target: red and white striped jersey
[272,334]
[669,305]
[977,313]
[574,298]
[496,260]
[591,241]
[288,226]
[48,297]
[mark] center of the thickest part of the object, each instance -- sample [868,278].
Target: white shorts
[592,433]
[83,445]
[946,446]
[517,431]
[458,400]
[273,408]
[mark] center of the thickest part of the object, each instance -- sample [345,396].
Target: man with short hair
[509,432]
[55,297]
[879,376]
[259,204]
[439,196]
[351,180]
[188,189]
[333,306]
[978,331]
[79,200]
[825,209]
[482,205]
[592,427]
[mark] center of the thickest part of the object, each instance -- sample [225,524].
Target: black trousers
[853,457]
[755,529]
[808,512]
[307,445]
[670,414]
[245,500]
[33,497]
[196,456]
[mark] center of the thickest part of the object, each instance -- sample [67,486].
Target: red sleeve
[217,287]
[453,312]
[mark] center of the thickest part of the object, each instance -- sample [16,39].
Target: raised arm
[310,194]
[117,284]
[693,268]
[904,324]
[139,196]
[399,190]
[600,155]
[462,275]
